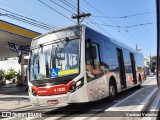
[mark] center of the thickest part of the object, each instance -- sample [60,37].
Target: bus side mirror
[93,52]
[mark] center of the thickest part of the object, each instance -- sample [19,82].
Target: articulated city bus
[78,64]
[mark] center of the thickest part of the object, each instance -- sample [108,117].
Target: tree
[153,58]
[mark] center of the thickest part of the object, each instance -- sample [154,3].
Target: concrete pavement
[13,97]
[139,100]
[136,106]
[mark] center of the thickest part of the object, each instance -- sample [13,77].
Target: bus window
[94,69]
[96,62]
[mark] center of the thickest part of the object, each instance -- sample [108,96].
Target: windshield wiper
[54,54]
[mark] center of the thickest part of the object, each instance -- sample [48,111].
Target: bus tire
[112,90]
[140,82]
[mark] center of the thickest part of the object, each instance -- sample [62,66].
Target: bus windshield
[55,60]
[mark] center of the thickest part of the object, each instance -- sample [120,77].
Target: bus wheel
[112,91]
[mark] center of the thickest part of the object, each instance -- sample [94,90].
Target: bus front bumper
[49,100]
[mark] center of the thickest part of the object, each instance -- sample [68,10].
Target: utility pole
[150,61]
[137,48]
[79,15]
[78,12]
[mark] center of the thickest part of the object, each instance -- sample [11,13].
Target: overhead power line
[99,12]
[26,21]
[24,17]
[142,24]
[99,27]
[127,16]
[89,19]
[109,20]
[73,6]
[56,11]
[95,25]
[62,6]
[130,26]
[15,16]
[30,13]
[9,14]
[68,4]
[79,15]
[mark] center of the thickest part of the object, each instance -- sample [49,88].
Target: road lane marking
[9,118]
[145,83]
[115,105]
[52,118]
[153,108]
[87,114]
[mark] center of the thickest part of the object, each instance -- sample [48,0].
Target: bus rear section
[113,68]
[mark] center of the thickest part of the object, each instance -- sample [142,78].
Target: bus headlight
[77,85]
[34,93]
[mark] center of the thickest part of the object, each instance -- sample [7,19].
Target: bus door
[121,68]
[133,68]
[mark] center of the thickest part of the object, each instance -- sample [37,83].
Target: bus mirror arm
[19,55]
[38,67]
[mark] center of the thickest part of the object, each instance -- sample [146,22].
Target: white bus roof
[118,43]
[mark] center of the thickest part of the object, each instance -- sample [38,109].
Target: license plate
[52,101]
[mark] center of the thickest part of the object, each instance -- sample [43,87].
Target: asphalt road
[82,111]
[71,111]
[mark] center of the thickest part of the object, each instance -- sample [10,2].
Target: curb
[149,99]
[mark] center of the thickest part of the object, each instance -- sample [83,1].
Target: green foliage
[10,74]
[153,58]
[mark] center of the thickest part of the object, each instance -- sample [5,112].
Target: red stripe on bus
[53,90]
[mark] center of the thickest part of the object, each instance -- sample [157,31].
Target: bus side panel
[140,68]
[116,70]
[79,95]
[100,85]
[127,81]
[128,68]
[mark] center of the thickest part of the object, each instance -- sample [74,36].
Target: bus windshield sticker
[67,72]
[54,72]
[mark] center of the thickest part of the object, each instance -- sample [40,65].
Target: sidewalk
[138,103]
[13,103]
[13,97]
[12,89]
[138,100]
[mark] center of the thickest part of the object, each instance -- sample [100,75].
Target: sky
[107,17]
